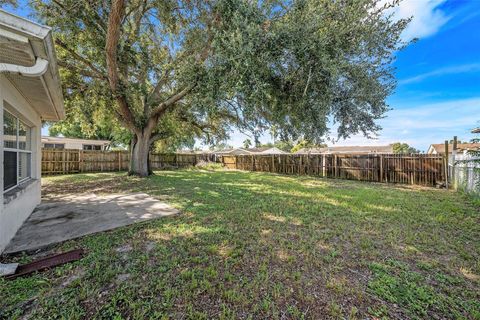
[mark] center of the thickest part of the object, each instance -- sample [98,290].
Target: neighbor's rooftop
[47,139]
[440,147]
[347,149]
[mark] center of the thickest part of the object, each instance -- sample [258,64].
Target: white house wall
[74,145]
[71,144]
[79,144]
[14,213]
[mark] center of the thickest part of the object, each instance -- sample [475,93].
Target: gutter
[41,43]
[37,70]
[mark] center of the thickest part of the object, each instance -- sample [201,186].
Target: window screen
[9,130]
[9,169]
[24,161]
[17,162]
[54,146]
[23,136]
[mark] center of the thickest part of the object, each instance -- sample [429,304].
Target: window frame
[17,150]
[93,147]
[54,146]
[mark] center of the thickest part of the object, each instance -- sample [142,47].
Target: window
[54,145]
[17,154]
[91,147]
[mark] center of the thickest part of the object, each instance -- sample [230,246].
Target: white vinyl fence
[465,173]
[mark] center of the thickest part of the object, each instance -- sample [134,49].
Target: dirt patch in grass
[85,183]
[254,245]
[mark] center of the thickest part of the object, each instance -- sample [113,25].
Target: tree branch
[158,136]
[82,59]
[154,95]
[164,106]
[171,101]
[97,21]
[79,70]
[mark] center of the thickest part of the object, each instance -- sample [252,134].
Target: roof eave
[52,79]
[41,42]
[22,25]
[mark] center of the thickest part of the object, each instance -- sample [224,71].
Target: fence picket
[409,169]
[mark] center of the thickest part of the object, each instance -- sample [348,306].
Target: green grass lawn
[256,246]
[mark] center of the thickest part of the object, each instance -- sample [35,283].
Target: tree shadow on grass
[268,246]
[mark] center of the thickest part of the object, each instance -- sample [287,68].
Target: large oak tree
[160,65]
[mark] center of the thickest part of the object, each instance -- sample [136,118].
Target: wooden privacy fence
[58,161]
[419,169]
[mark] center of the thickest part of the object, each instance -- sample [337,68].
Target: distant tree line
[404,148]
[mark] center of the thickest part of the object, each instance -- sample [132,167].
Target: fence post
[413,169]
[454,157]
[273,163]
[324,166]
[119,155]
[380,178]
[300,164]
[79,161]
[335,166]
[446,164]
[83,160]
[63,161]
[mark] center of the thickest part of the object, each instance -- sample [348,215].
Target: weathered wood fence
[418,169]
[64,161]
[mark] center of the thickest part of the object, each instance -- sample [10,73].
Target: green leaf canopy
[205,66]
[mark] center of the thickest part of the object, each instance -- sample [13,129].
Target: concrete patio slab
[72,216]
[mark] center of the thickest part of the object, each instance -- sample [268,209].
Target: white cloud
[465,68]
[427,17]
[423,125]
[417,125]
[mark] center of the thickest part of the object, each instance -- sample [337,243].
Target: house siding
[15,211]
[73,144]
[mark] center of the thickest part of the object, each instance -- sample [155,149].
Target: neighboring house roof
[273,150]
[259,150]
[476,130]
[440,147]
[193,152]
[347,150]
[46,139]
[232,151]
[29,62]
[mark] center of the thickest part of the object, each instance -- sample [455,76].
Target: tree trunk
[139,164]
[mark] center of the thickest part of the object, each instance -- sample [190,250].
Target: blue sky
[438,93]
